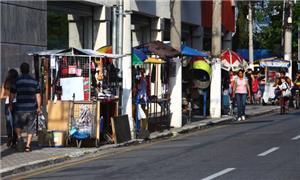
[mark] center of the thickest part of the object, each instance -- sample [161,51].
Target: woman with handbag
[12,75]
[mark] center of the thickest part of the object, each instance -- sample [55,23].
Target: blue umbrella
[188,51]
[139,54]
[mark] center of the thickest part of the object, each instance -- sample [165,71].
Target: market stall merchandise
[73,78]
[272,69]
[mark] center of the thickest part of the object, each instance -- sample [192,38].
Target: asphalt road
[261,148]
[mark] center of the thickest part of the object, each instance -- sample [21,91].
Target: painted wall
[23,29]
[191,10]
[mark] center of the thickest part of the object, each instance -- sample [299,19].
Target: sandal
[27,149]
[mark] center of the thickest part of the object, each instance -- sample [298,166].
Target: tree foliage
[240,39]
[270,36]
[268,32]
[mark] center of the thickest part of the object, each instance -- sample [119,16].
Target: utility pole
[250,19]
[120,27]
[126,64]
[114,30]
[215,87]
[176,81]
[298,47]
[288,34]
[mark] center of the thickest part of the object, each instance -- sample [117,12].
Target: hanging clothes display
[153,73]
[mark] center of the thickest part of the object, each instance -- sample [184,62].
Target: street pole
[176,81]
[298,47]
[120,27]
[215,87]
[126,65]
[114,30]
[250,18]
[288,36]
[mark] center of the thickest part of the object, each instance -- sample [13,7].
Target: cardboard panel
[58,115]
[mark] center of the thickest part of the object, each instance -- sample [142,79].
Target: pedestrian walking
[296,86]
[27,92]
[255,88]
[240,91]
[11,77]
[249,77]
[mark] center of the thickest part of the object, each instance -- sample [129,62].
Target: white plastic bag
[141,113]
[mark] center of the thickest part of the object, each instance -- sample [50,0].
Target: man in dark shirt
[27,92]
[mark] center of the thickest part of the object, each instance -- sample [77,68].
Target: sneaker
[20,145]
[243,118]
[239,119]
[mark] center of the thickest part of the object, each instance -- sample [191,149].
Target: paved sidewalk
[13,162]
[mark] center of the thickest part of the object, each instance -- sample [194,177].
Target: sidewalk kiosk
[272,70]
[77,86]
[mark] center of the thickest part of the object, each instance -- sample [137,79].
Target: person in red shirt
[255,87]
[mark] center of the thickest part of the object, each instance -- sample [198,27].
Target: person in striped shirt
[27,92]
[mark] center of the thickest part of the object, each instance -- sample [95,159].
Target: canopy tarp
[188,51]
[75,52]
[159,48]
[257,53]
[275,63]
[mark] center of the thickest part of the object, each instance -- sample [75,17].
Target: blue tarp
[188,51]
[257,54]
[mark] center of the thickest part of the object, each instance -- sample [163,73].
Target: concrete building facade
[23,29]
[24,26]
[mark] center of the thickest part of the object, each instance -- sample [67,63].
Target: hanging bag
[64,66]
[78,70]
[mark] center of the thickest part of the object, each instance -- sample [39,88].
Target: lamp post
[288,34]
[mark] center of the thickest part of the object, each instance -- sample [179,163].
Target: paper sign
[72,86]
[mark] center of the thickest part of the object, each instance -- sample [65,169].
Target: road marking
[295,138]
[213,176]
[268,151]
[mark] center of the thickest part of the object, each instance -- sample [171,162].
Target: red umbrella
[231,60]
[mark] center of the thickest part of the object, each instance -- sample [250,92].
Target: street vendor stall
[151,85]
[196,80]
[272,70]
[77,85]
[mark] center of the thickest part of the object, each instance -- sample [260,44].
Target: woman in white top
[12,75]
[240,91]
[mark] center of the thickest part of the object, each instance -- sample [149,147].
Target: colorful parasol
[105,49]
[138,57]
[154,61]
[232,61]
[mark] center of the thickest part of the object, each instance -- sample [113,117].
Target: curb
[264,112]
[54,160]
[156,135]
